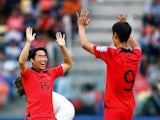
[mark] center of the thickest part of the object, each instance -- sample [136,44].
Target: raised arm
[132,41]
[25,51]
[83,21]
[66,56]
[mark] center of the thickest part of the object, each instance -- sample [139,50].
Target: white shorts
[63,108]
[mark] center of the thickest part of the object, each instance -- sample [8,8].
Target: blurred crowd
[148,81]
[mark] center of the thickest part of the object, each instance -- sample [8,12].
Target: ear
[113,36]
[32,60]
[116,35]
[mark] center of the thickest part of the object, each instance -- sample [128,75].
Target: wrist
[28,42]
[81,27]
[63,46]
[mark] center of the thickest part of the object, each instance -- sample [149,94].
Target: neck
[122,45]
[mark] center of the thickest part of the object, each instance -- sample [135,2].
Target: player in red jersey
[38,81]
[122,66]
[63,108]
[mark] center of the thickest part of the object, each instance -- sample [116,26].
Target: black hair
[123,30]
[32,52]
[19,86]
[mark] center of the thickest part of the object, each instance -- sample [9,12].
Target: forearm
[25,52]
[66,56]
[133,43]
[84,40]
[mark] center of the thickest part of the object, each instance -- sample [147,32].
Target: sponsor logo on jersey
[101,48]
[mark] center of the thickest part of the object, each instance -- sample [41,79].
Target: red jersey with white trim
[38,88]
[122,67]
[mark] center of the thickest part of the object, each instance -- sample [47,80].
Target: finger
[57,35]
[77,14]
[120,16]
[30,29]
[60,35]
[86,13]
[34,34]
[63,36]
[88,21]
[81,12]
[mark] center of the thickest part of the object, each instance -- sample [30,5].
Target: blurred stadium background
[84,84]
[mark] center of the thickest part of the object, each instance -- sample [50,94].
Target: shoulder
[55,68]
[137,52]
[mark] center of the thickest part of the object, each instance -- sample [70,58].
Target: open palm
[30,37]
[60,39]
[83,19]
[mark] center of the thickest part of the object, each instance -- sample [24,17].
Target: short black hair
[123,30]
[32,52]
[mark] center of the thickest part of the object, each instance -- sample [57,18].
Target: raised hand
[83,19]
[29,36]
[60,39]
[122,17]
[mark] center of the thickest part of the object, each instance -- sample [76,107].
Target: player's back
[122,68]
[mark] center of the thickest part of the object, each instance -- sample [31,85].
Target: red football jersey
[122,67]
[38,88]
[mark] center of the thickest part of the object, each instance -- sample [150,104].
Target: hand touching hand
[60,39]
[29,35]
[83,19]
[122,17]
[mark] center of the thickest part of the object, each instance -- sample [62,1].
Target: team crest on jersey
[101,48]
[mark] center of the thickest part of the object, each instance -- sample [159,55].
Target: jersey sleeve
[138,52]
[103,52]
[25,75]
[58,71]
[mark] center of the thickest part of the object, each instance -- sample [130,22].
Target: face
[40,60]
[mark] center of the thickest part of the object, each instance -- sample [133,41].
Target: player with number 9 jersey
[122,66]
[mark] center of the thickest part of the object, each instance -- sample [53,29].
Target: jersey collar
[45,71]
[126,50]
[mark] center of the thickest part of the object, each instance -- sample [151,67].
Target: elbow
[21,62]
[83,46]
[71,64]
[86,45]
[67,66]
